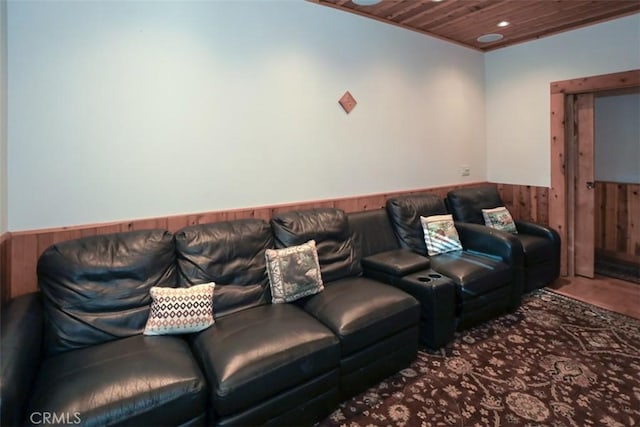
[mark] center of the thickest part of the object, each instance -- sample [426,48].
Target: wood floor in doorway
[613,294]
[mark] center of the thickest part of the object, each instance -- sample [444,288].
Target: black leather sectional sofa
[74,353]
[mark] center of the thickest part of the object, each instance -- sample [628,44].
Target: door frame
[560,195]
[582,153]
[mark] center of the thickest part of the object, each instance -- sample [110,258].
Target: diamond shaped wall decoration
[347,102]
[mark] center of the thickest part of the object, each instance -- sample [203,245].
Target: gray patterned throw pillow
[500,219]
[294,272]
[440,234]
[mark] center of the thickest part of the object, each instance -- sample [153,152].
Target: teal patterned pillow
[294,272]
[500,219]
[440,234]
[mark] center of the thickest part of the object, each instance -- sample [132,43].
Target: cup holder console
[425,276]
[437,295]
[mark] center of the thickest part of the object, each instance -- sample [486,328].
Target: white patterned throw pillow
[440,234]
[180,310]
[500,219]
[294,272]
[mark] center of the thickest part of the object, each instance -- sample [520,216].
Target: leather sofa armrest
[22,330]
[437,304]
[538,230]
[534,229]
[398,262]
[487,240]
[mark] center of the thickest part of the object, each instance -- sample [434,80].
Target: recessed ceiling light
[488,38]
[366,2]
[437,1]
[502,24]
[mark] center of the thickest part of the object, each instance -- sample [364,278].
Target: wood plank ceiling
[463,21]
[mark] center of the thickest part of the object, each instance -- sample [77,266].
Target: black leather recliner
[541,245]
[486,272]
[96,367]
[384,260]
[377,324]
[265,363]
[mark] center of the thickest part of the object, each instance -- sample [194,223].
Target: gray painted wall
[4,214]
[517,92]
[124,110]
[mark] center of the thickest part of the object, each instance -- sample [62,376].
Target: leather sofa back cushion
[329,228]
[372,231]
[405,212]
[96,289]
[466,204]
[231,254]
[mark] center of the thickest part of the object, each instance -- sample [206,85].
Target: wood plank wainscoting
[4,262]
[22,248]
[617,220]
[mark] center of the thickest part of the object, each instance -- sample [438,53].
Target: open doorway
[572,196]
[617,184]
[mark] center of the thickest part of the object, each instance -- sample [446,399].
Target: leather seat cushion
[362,311]
[137,380]
[254,354]
[472,273]
[537,249]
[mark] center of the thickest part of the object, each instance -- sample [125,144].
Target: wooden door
[584,219]
[561,204]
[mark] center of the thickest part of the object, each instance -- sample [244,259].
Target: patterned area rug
[554,362]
